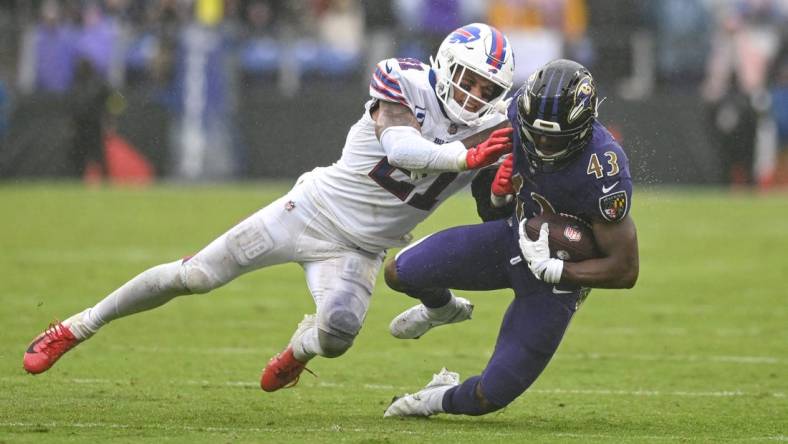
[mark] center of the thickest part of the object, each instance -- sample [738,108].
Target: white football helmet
[483,50]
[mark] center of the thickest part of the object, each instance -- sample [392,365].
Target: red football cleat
[282,371]
[48,347]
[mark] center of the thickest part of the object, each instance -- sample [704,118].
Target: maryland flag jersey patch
[614,206]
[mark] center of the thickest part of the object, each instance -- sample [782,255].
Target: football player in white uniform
[423,135]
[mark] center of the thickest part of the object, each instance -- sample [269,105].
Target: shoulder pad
[386,82]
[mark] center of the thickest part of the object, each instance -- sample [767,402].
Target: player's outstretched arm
[390,114]
[478,138]
[399,134]
[619,265]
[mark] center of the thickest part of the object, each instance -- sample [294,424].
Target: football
[570,238]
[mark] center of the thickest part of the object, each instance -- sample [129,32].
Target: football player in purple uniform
[563,161]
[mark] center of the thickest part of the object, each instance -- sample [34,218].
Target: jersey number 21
[402,189]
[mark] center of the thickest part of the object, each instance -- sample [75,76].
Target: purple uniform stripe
[557,95]
[543,104]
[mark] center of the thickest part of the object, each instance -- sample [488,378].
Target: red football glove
[502,184]
[487,152]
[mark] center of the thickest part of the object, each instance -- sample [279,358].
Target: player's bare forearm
[390,114]
[482,136]
[619,265]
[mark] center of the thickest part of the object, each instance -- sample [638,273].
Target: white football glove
[537,255]
[503,106]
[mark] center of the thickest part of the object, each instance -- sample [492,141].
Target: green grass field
[697,351]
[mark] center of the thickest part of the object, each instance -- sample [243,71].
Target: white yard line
[726,332]
[402,389]
[652,393]
[704,309]
[193,350]
[579,356]
[680,358]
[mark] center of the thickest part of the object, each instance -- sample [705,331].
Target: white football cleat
[427,401]
[417,320]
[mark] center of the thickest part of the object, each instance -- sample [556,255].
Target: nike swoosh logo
[32,347]
[388,68]
[606,189]
[557,291]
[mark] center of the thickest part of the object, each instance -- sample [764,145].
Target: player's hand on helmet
[537,255]
[501,191]
[489,151]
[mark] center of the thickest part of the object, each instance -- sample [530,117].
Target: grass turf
[695,352]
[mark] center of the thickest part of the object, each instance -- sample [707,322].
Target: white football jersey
[372,203]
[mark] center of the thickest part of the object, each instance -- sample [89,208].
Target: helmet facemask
[462,110]
[551,144]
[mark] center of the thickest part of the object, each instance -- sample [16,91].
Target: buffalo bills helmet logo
[465,34]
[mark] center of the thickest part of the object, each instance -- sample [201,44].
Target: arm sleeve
[406,148]
[610,198]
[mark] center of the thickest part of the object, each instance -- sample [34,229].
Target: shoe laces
[292,383]
[444,377]
[284,372]
[58,338]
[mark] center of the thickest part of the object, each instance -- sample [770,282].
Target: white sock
[149,289]
[433,399]
[445,311]
[306,346]
[79,327]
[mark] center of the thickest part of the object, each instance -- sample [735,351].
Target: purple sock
[433,297]
[462,400]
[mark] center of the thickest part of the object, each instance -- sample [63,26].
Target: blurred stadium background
[195,90]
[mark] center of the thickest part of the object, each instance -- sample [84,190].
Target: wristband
[553,270]
[500,201]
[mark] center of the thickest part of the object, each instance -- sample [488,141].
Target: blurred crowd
[199,54]
[126,40]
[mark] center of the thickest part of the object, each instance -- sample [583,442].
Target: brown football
[570,238]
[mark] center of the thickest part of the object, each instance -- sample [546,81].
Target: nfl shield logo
[572,233]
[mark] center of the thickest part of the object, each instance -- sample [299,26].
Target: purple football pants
[487,257]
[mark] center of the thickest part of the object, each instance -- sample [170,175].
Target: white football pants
[340,276]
